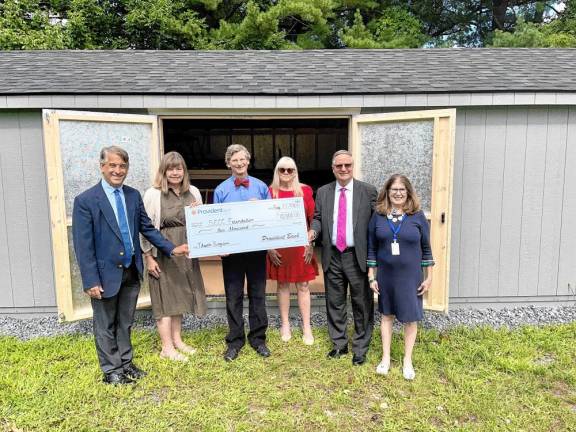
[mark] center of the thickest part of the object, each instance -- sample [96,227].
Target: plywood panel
[567,258]
[399,147]
[491,210]
[80,143]
[471,201]
[36,193]
[533,194]
[512,186]
[552,205]
[457,203]
[18,237]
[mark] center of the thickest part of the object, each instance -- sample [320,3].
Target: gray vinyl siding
[514,204]
[27,280]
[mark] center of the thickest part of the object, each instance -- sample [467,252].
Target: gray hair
[341,152]
[233,149]
[114,150]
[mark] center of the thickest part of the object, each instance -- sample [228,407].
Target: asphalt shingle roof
[287,72]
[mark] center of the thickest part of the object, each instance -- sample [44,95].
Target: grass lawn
[467,379]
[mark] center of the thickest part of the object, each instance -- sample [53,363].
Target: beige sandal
[176,356]
[186,349]
[308,339]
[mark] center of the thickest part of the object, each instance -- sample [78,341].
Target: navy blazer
[98,242]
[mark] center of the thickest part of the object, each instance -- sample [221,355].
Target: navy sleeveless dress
[399,276]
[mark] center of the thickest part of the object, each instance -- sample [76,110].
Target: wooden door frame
[59,221]
[444,136]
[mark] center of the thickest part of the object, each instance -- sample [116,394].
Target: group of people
[371,243]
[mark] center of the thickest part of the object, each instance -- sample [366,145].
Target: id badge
[395,248]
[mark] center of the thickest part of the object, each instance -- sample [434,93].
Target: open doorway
[202,142]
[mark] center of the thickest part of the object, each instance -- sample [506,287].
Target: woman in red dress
[295,265]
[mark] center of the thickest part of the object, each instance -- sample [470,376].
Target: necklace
[394,216]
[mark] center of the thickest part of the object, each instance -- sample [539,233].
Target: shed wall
[27,280]
[512,232]
[514,203]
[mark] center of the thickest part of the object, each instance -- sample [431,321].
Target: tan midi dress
[180,288]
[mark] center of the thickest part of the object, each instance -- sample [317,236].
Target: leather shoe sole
[263,351]
[335,353]
[231,354]
[117,379]
[134,372]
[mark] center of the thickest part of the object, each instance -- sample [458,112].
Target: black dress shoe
[337,352]
[358,360]
[116,378]
[263,350]
[231,354]
[134,372]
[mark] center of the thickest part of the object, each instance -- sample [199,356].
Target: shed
[487,135]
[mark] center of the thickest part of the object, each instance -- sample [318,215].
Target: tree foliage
[283,24]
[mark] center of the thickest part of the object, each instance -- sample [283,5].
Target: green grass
[479,379]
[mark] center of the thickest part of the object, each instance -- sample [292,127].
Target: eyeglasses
[397,191]
[345,166]
[286,170]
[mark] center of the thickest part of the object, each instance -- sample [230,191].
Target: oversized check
[219,229]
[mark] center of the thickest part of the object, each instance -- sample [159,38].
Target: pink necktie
[341,225]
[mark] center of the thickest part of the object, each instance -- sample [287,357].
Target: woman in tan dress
[176,285]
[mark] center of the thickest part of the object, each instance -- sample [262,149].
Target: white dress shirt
[349,222]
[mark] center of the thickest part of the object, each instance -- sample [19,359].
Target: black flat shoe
[134,372]
[231,354]
[358,360]
[338,352]
[263,350]
[116,378]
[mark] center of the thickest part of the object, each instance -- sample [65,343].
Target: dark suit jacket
[363,201]
[98,242]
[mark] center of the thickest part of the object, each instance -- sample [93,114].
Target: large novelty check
[219,229]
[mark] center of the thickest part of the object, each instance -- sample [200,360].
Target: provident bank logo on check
[219,229]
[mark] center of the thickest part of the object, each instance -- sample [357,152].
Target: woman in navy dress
[399,255]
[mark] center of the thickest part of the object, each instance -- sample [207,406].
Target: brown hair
[170,160]
[383,204]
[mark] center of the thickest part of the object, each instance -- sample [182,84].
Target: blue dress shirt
[109,191]
[227,192]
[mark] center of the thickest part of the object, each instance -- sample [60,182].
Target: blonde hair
[383,204]
[286,162]
[171,160]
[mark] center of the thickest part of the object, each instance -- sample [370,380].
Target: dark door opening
[203,142]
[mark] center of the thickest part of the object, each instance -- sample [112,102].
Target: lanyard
[396,230]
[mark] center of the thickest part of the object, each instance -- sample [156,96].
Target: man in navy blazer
[106,223]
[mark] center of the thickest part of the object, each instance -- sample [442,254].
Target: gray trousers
[113,317]
[342,272]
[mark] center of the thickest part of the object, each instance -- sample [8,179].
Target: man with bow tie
[240,266]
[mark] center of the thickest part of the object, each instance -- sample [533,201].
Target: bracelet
[371,280]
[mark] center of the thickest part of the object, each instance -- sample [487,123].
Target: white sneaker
[383,368]
[408,372]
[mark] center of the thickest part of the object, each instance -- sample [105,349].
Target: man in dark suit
[106,223]
[343,211]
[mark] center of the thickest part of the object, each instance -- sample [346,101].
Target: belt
[347,250]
